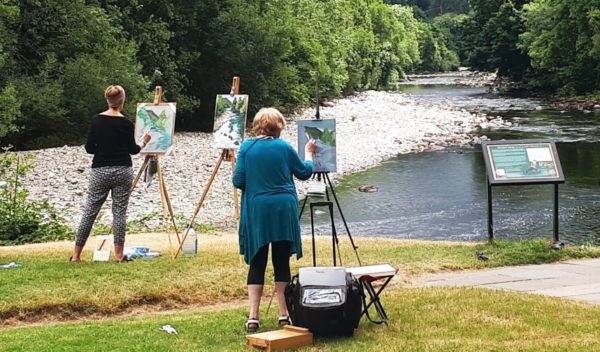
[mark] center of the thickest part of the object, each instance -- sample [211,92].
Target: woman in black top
[111,140]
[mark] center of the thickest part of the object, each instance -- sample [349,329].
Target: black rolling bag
[325,300]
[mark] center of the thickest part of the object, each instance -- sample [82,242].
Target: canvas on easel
[230,120]
[323,132]
[159,121]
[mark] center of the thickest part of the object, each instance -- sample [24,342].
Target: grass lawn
[433,319]
[52,305]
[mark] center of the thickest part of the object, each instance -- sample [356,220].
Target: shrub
[21,219]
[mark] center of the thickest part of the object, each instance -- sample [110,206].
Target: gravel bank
[371,127]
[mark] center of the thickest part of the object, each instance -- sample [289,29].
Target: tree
[450,29]
[563,41]
[9,104]
[9,110]
[492,34]
[68,51]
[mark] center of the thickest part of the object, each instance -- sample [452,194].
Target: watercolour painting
[159,120]
[323,132]
[230,121]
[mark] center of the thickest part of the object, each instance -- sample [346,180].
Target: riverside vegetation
[281,49]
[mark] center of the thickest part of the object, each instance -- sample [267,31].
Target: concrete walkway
[573,279]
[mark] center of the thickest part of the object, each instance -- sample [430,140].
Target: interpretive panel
[522,162]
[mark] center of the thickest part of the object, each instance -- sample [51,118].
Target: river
[442,195]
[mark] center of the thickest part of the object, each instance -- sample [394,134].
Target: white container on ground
[190,243]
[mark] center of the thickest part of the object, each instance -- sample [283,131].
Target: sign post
[522,162]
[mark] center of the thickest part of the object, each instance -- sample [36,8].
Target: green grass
[432,319]
[47,287]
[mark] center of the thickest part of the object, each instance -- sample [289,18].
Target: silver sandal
[284,320]
[252,325]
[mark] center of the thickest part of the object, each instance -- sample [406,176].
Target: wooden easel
[226,155]
[164,195]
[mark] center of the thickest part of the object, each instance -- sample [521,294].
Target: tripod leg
[312,229]
[303,205]
[343,218]
[334,241]
[202,198]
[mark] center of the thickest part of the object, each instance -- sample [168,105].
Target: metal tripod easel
[324,176]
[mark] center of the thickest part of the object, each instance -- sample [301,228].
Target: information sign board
[522,162]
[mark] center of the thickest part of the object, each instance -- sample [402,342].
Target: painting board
[230,121]
[522,162]
[323,132]
[160,121]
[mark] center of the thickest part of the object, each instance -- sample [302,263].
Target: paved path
[573,279]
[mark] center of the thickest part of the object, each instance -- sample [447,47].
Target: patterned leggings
[114,179]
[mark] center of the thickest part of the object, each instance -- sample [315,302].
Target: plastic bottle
[190,244]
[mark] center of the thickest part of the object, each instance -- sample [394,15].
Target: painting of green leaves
[323,132]
[159,120]
[230,120]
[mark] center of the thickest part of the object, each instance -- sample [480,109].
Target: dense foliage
[562,38]
[57,56]
[548,43]
[433,8]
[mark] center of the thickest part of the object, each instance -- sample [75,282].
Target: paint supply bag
[325,300]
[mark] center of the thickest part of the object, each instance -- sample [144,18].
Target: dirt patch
[62,315]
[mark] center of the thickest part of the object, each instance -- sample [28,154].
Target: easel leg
[236,205]
[312,229]
[202,198]
[303,205]
[166,201]
[139,174]
[328,180]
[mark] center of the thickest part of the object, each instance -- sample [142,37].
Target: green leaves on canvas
[149,117]
[328,137]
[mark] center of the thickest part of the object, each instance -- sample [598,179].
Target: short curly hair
[268,122]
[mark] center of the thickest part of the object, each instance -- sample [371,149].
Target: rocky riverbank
[462,77]
[371,127]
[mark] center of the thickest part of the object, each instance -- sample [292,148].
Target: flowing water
[442,195]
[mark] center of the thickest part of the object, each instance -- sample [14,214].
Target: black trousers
[280,256]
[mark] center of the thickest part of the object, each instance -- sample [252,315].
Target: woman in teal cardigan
[269,210]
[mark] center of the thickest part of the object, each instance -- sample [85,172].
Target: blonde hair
[115,96]
[268,122]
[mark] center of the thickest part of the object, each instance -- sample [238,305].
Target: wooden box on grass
[288,337]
